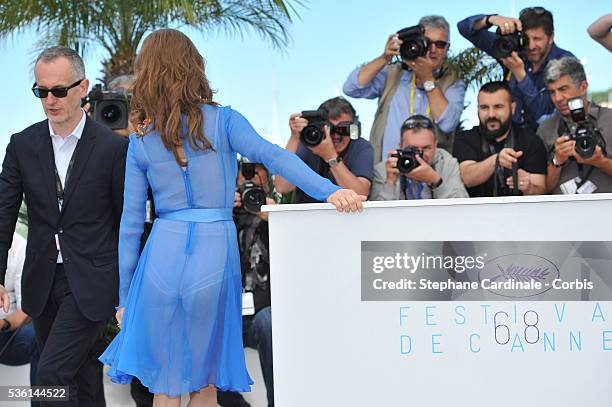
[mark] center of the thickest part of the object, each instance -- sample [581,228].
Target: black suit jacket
[87,227]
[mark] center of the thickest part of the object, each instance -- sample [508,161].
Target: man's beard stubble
[492,135]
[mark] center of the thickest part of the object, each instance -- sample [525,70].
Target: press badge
[571,187]
[248,303]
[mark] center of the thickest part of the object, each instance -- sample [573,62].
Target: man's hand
[326,149]
[594,160]
[507,25]
[424,172]
[516,65]
[508,156]
[4,299]
[524,181]
[564,149]
[297,124]
[264,215]
[119,316]
[391,166]
[423,67]
[392,47]
[237,199]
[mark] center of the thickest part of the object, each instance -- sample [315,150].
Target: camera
[406,159]
[252,195]
[313,134]
[414,42]
[586,135]
[505,45]
[107,107]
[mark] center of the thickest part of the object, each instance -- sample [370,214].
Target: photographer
[419,170]
[492,154]
[252,228]
[345,161]
[417,85]
[571,158]
[533,29]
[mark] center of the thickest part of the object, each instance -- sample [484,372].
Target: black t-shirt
[468,146]
[358,158]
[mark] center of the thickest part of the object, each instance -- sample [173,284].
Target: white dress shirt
[14,268]
[63,148]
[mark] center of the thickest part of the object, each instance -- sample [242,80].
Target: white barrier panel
[339,342]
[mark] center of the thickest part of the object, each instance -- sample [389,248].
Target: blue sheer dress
[182,325]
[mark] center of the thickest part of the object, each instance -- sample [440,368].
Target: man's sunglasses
[57,92]
[534,10]
[440,44]
[413,123]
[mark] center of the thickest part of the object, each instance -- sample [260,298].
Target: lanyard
[59,188]
[408,187]
[412,97]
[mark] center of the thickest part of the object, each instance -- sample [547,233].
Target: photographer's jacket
[357,156]
[552,128]
[445,165]
[399,98]
[530,95]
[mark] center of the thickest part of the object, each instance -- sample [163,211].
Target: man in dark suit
[71,171]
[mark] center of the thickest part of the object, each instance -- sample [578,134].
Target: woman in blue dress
[180,301]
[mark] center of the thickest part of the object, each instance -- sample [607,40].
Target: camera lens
[311,135]
[111,113]
[585,146]
[253,199]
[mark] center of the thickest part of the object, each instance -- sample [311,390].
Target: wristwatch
[429,86]
[555,163]
[334,162]
[6,325]
[436,184]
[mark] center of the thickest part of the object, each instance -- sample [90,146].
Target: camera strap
[488,149]
[59,188]
[407,188]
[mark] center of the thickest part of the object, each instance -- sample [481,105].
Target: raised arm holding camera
[579,138]
[497,154]
[524,46]
[418,170]
[328,141]
[420,84]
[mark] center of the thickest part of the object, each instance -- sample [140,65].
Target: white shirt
[63,148]
[14,268]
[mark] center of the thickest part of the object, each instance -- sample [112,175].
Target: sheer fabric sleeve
[132,220]
[244,139]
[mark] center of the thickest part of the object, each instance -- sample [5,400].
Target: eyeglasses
[42,93]
[440,44]
[534,10]
[417,122]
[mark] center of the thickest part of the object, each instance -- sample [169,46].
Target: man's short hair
[496,86]
[409,125]
[570,66]
[53,53]
[534,17]
[338,105]
[120,82]
[435,22]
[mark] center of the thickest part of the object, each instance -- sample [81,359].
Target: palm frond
[474,66]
